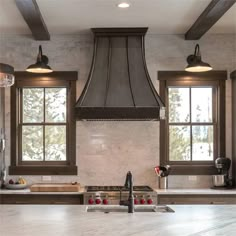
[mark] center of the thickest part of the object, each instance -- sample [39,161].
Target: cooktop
[117,188]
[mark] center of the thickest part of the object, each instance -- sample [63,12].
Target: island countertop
[73,220]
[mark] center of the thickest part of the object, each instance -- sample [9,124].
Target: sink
[117,208]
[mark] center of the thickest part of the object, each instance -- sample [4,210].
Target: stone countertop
[195,191]
[158,191]
[61,220]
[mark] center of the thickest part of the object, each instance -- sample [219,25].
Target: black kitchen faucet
[129,185]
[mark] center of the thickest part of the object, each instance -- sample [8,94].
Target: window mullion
[190,119]
[215,120]
[20,154]
[44,124]
[21,107]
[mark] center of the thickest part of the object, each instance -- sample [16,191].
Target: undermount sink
[117,208]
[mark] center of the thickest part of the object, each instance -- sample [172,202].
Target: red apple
[11,181]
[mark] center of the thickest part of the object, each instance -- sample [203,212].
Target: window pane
[32,105]
[179,105]
[32,143]
[179,143]
[55,104]
[202,143]
[201,104]
[55,143]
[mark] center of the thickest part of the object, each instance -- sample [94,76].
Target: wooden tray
[55,187]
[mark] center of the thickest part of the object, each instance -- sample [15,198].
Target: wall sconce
[41,65]
[7,77]
[195,63]
[233,74]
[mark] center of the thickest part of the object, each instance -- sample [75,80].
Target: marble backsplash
[105,151]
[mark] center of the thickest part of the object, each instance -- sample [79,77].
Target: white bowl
[16,186]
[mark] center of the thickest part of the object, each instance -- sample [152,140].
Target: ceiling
[78,16]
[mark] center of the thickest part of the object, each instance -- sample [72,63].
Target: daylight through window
[43,124]
[190,123]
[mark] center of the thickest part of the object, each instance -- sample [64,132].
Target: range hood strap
[127,53]
[108,71]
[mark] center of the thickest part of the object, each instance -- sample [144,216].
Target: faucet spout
[129,185]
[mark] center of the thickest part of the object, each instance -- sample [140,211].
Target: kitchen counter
[158,191]
[200,220]
[27,191]
[195,191]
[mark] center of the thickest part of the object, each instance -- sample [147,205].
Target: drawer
[196,199]
[41,199]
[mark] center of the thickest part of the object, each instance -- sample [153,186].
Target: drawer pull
[219,203]
[180,203]
[60,202]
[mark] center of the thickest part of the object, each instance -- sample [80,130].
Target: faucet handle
[128,179]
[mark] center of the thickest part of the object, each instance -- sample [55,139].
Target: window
[191,123]
[43,124]
[192,136]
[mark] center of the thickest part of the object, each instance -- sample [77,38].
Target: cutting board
[55,187]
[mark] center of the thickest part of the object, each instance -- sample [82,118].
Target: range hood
[119,86]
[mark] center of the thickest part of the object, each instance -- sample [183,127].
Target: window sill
[42,170]
[193,170]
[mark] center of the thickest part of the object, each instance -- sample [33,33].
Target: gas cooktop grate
[117,188]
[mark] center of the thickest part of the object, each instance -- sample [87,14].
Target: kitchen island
[68,220]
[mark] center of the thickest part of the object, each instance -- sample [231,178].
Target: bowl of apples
[18,184]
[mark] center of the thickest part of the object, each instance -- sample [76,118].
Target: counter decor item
[20,183]
[55,187]
[16,186]
[222,179]
[162,172]
[7,77]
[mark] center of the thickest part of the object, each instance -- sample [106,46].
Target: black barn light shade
[41,65]
[195,63]
[7,77]
[233,75]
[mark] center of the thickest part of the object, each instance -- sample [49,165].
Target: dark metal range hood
[119,86]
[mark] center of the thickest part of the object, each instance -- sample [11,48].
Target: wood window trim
[218,77]
[59,78]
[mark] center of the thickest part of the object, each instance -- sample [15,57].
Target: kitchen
[107,150]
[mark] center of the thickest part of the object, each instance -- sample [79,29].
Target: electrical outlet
[47,178]
[192,178]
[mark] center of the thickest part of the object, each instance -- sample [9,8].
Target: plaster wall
[107,150]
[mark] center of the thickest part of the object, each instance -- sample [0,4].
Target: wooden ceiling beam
[214,11]
[30,11]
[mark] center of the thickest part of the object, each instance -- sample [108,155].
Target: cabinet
[233,78]
[41,199]
[2,114]
[196,199]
